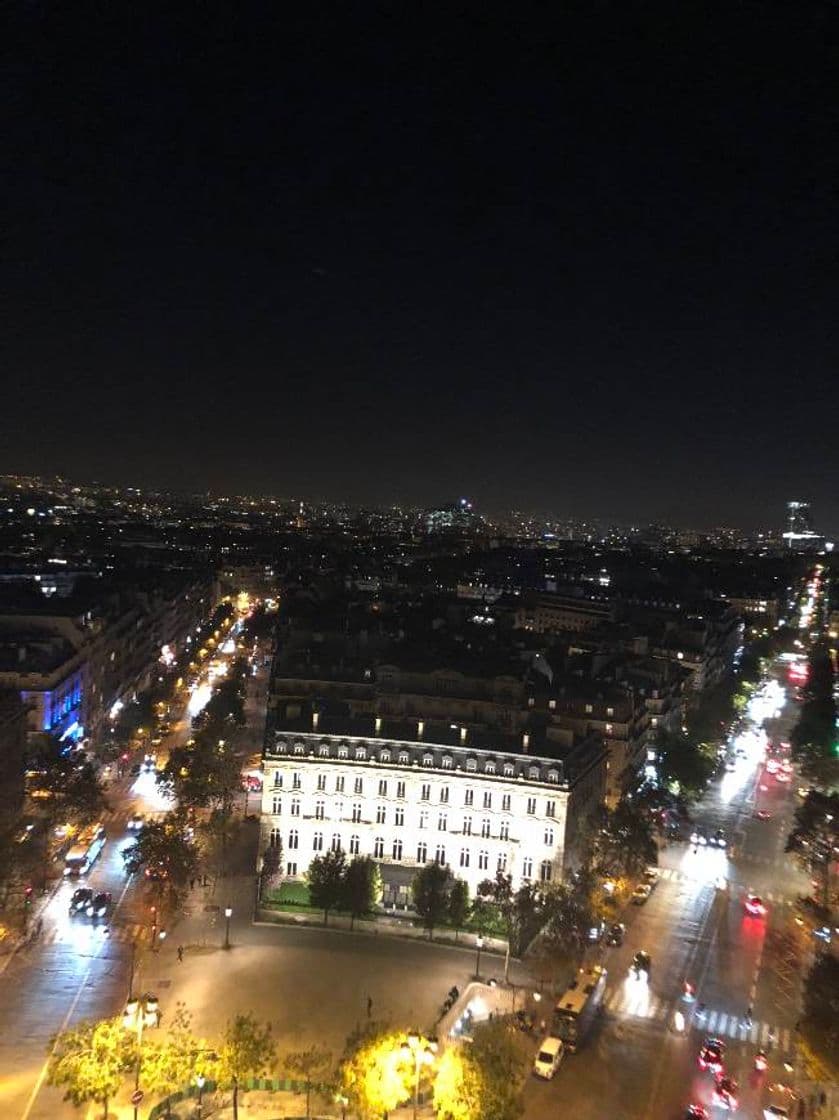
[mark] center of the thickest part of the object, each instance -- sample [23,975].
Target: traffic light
[27,895]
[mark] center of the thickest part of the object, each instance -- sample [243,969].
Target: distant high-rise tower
[799,523]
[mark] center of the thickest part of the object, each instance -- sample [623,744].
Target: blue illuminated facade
[60,708]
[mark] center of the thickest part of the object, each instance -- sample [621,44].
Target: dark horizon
[586,267]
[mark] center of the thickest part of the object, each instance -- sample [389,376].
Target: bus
[576,1010]
[85,851]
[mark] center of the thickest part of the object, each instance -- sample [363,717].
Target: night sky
[578,257]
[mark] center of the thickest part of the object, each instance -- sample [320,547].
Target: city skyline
[581,267]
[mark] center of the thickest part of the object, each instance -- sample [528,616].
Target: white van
[548,1057]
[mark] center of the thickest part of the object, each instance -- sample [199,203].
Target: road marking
[39,1084]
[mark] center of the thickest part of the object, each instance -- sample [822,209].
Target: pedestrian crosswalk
[639,1002]
[81,932]
[674,875]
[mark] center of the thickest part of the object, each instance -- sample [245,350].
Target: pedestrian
[369,1006]
[180,952]
[204,882]
[192,884]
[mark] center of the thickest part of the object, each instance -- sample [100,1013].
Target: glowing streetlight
[479,944]
[228,914]
[421,1055]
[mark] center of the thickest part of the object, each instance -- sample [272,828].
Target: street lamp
[421,1055]
[199,1081]
[479,944]
[228,913]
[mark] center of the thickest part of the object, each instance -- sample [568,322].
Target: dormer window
[489,768]
[360,754]
[447,762]
[533,773]
[323,751]
[428,760]
[384,756]
[404,758]
[509,770]
[553,775]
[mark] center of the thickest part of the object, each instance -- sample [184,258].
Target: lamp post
[228,913]
[131,971]
[422,1055]
[479,944]
[199,1081]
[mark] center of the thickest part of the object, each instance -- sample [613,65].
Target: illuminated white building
[408,803]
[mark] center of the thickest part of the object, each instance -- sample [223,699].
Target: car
[772,766]
[548,1058]
[641,894]
[151,1010]
[696,1112]
[763,815]
[136,822]
[595,932]
[775,1112]
[156,872]
[150,763]
[719,840]
[99,905]
[725,1093]
[129,1014]
[651,877]
[164,728]
[82,897]
[783,776]
[730,766]
[711,1054]
[135,770]
[615,934]
[754,906]
[641,966]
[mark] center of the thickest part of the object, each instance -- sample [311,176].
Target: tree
[311,1064]
[431,889]
[202,772]
[272,862]
[815,838]
[684,764]
[815,745]
[360,887]
[326,876]
[522,911]
[820,1025]
[163,852]
[374,1074]
[170,1062]
[485,1080]
[247,1050]
[90,1061]
[458,909]
[569,919]
[626,844]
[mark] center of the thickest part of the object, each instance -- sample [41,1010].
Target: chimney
[525,742]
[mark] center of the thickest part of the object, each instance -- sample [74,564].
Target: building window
[274,838]
[444,795]
[382,787]
[278,780]
[608,728]
[294,839]
[319,807]
[339,784]
[336,842]
[423,818]
[404,758]
[321,782]
[464,857]
[485,827]
[483,860]
[380,814]
[356,812]
[509,770]
[527,868]
[379,848]
[505,803]
[397,849]
[399,816]
[317,842]
[534,773]
[295,806]
[442,822]
[545,871]
[425,794]
[531,806]
[550,808]
[291,870]
[384,756]
[504,830]
[552,705]
[360,754]
[324,751]
[467,826]
[295,780]
[553,775]
[471,765]
[549,837]
[339,810]
[343,753]
[428,760]
[469,797]
[299,748]
[400,789]
[610,711]
[358,785]
[440,856]
[422,852]
[489,768]
[502,862]
[354,846]
[277,806]
[589,709]
[487,800]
